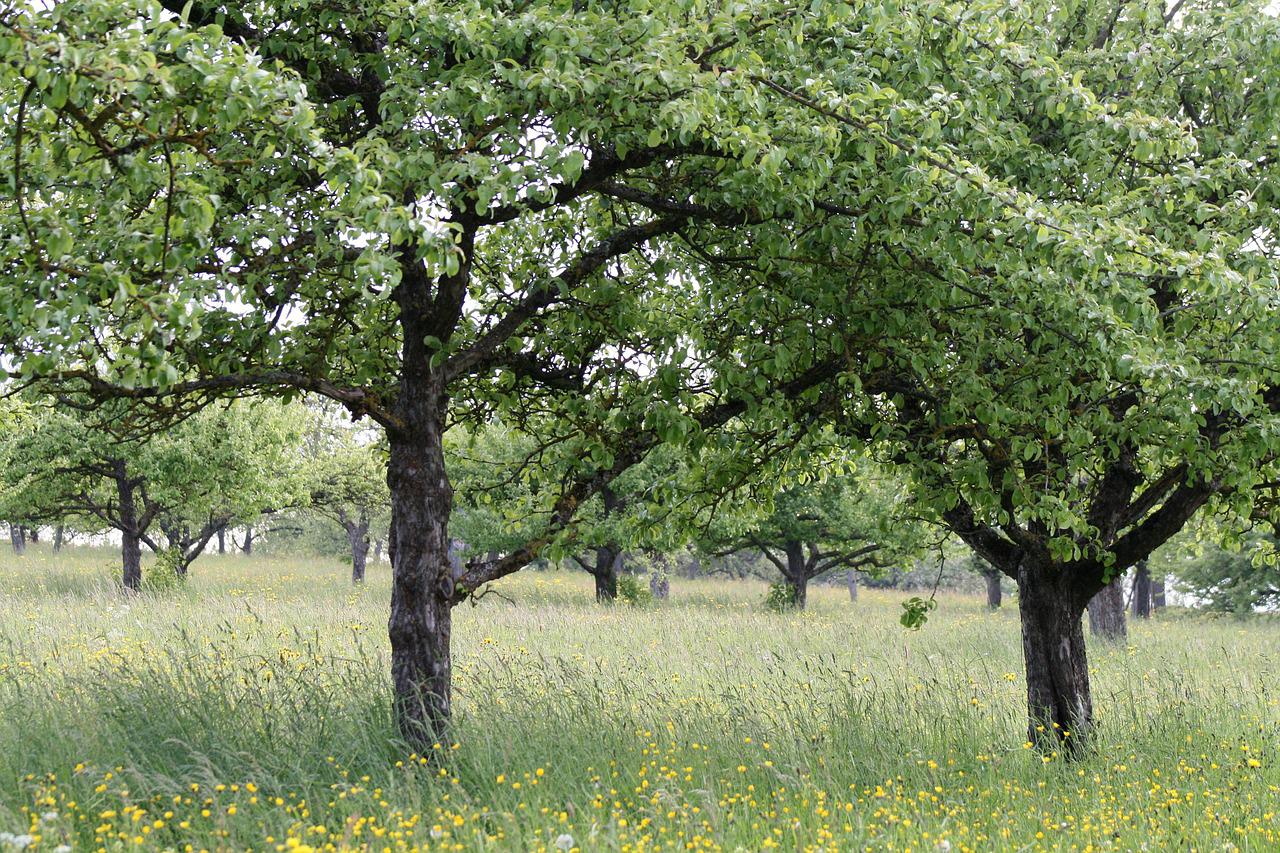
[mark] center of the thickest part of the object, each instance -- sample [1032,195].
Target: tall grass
[250,710]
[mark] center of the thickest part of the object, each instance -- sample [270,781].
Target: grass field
[250,710]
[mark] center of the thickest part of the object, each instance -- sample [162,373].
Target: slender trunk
[1142,591]
[608,561]
[58,532]
[422,590]
[358,537]
[247,547]
[851,580]
[1157,592]
[1059,704]
[18,538]
[130,534]
[797,576]
[377,550]
[995,594]
[35,534]
[1106,612]
[222,540]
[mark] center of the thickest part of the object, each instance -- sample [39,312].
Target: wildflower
[564,842]
[49,817]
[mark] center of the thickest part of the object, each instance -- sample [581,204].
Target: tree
[1106,612]
[1240,579]
[1142,591]
[854,520]
[1070,386]
[473,208]
[348,485]
[220,463]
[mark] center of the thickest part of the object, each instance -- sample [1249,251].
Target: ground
[250,710]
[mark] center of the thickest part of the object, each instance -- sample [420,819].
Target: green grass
[249,710]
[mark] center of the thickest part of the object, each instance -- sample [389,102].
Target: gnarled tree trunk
[608,564]
[1059,702]
[422,588]
[1106,612]
[797,574]
[1142,591]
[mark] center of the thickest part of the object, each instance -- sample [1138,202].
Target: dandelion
[564,842]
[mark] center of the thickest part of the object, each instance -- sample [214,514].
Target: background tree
[348,485]
[220,463]
[852,520]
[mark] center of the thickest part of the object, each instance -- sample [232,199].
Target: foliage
[164,574]
[633,591]
[1239,579]
[781,597]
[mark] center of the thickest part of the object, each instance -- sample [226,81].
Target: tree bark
[1157,593]
[222,540]
[851,581]
[130,531]
[358,536]
[1106,612]
[995,594]
[1059,703]
[422,590]
[797,576]
[58,532]
[35,534]
[1142,591]
[18,538]
[608,564]
[247,547]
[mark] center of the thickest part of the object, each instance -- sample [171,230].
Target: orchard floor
[249,710]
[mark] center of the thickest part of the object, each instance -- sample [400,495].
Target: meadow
[249,710]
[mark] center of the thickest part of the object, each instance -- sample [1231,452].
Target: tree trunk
[18,538]
[851,580]
[247,547]
[377,550]
[58,532]
[422,590]
[660,585]
[358,537]
[1059,704]
[1142,591]
[995,594]
[130,534]
[1157,593]
[35,534]
[1106,612]
[797,574]
[222,540]
[608,562]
